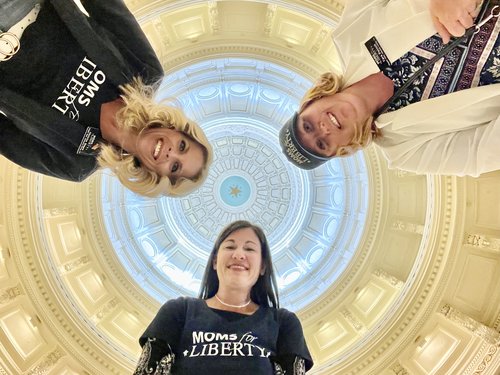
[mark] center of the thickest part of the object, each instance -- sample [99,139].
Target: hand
[453,17]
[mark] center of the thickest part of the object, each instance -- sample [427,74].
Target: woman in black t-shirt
[236,326]
[77,92]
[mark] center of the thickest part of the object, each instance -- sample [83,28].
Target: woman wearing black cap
[445,122]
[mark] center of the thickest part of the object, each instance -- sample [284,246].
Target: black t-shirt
[192,337]
[71,84]
[52,49]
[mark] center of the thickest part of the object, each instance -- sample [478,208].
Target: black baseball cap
[294,151]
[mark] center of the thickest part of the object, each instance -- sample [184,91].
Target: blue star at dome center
[235,191]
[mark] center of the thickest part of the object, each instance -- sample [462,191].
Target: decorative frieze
[337,6]
[320,39]
[4,254]
[353,321]
[105,310]
[162,33]
[59,211]
[47,363]
[388,278]
[407,227]
[481,241]
[398,369]
[75,264]
[486,333]
[270,17]
[486,360]
[401,173]
[9,294]
[213,16]
[496,324]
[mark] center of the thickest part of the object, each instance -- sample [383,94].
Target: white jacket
[455,134]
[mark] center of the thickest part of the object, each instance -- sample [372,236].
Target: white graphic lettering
[248,337]
[215,344]
[201,337]
[85,69]
[81,89]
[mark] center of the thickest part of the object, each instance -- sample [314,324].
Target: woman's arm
[468,152]
[114,16]
[156,358]
[290,365]
[292,354]
[37,156]
[161,338]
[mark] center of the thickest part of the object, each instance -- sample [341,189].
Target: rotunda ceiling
[312,219]
[381,266]
[115,256]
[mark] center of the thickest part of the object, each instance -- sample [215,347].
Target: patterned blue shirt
[474,62]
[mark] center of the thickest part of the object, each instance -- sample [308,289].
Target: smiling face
[239,260]
[330,122]
[170,153]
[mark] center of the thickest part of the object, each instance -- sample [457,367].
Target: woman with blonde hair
[429,107]
[77,90]
[166,153]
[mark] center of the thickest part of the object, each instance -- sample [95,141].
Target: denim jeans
[13,11]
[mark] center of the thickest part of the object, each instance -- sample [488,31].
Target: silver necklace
[235,306]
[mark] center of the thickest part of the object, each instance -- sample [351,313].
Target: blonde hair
[140,113]
[329,84]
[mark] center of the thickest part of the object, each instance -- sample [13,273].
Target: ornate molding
[478,329]
[213,16]
[422,306]
[74,265]
[93,213]
[399,369]
[9,294]
[353,320]
[388,278]
[32,258]
[337,6]
[399,173]
[492,350]
[405,226]
[162,33]
[49,361]
[270,17]
[59,211]
[496,324]
[367,244]
[310,69]
[482,241]
[325,31]
[105,310]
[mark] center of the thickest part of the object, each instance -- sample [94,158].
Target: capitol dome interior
[390,273]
